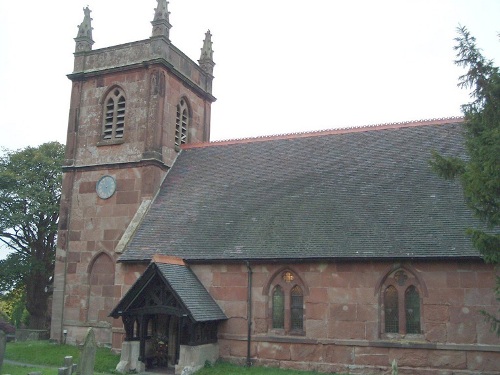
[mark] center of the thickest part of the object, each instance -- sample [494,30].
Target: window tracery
[401,303]
[286,302]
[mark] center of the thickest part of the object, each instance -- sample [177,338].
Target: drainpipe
[249,313]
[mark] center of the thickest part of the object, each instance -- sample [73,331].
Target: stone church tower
[132,107]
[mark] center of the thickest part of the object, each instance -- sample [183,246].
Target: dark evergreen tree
[479,171]
[30,190]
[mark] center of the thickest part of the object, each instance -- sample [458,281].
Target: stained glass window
[412,310]
[391,310]
[278,308]
[297,308]
[288,277]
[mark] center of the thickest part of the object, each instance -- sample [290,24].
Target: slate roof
[362,194]
[192,295]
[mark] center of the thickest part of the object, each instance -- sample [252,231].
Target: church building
[335,251]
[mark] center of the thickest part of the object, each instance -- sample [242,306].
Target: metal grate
[391,310]
[297,308]
[278,308]
[412,310]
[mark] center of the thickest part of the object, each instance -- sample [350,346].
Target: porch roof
[178,278]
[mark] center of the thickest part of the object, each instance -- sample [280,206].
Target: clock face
[106,187]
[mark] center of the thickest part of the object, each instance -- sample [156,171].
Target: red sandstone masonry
[437,313]
[274,350]
[367,312]
[339,354]
[300,352]
[436,332]
[316,311]
[87,187]
[410,357]
[480,361]
[343,312]
[229,294]
[485,279]
[235,279]
[464,332]
[323,318]
[371,356]
[468,280]
[127,197]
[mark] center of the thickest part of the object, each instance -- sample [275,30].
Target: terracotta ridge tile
[166,259]
[316,133]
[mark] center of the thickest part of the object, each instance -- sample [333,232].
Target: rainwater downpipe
[249,314]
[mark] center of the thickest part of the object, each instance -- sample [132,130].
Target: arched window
[412,310]
[391,310]
[181,123]
[278,308]
[286,296]
[114,116]
[400,299]
[297,308]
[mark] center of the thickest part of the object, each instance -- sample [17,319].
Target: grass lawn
[229,369]
[44,353]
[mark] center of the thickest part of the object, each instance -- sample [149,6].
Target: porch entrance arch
[167,308]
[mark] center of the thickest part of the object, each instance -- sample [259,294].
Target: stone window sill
[110,142]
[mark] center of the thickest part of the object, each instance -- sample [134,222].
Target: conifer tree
[479,171]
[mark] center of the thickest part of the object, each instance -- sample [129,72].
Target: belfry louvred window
[114,116]
[181,123]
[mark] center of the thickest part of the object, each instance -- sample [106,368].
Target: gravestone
[68,366]
[3,342]
[87,357]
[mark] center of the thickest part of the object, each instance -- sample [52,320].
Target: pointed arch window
[286,298]
[401,304]
[412,310]
[181,123]
[297,308]
[391,307]
[278,308]
[114,116]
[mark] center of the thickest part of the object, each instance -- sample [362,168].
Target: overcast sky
[281,65]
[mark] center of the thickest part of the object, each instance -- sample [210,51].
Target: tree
[13,305]
[479,171]
[30,190]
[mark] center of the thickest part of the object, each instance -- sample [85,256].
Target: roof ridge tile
[316,133]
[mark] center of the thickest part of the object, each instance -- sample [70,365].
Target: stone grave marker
[87,357]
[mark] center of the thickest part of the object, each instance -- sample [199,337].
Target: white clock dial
[106,187]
